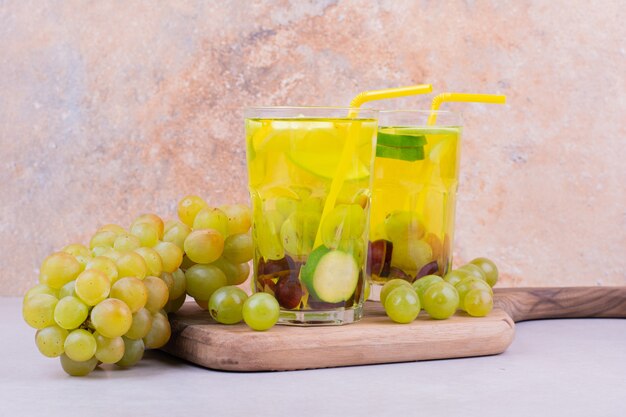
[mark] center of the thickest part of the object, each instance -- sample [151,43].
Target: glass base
[334,317]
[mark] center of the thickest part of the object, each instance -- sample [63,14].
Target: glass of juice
[415,179]
[310,233]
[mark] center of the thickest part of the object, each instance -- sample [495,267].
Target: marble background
[113,108]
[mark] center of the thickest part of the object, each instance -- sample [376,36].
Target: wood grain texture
[375,339]
[569,302]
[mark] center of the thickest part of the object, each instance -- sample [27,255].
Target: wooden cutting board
[375,339]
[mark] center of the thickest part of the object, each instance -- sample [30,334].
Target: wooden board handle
[564,302]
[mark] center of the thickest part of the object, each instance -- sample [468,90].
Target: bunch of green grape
[468,288]
[108,302]
[217,248]
[216,245]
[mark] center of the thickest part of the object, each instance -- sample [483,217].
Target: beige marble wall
[113,108]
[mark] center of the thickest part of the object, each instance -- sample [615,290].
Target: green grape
[401,226]
[111,318]
[238,248]
[411,255]
[302,191]
[346,221]
[83,261]
[177,234]
[473,270]
[243,272]
[168,279]
[203,280]
[441,300]
[58,269]
[478,302]
[391,285]
[468,284]
[226,304]
[169,224]
[159,333]
[455,276]
[173,305]
[266,234]
[133,352]
[142,321]
[186,263]
[147,233]
[68,290]
[489,268]
[152,219]
[50,341]
[239,218]
[171,255]
[75,368]
[203,304]
[158,293]
[275,219]
[356,248]
[42,289]
[153,260]
[109,350]
[76,249]
[179,284]
[402,304]
[131,264]
[92,286]
[312,204]
[104,265]
[38,310]
[421,285]
[204,246]
[109,253]
[285,206]
[70,312]
[298,232]
[261,311]
[367,290]
[189,207]
[211,218]
[104,239]
[132,291]
[80,345]
[126,242]
[117,229]
[229,269]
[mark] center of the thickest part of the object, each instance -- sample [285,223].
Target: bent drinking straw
[350,147]
[462,97]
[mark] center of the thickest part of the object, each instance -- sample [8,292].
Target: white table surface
[553,368]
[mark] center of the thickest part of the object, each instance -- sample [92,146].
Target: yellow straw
[373,95]
[462,97]
[350,147]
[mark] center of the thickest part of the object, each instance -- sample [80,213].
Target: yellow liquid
[291,164]
[426,188]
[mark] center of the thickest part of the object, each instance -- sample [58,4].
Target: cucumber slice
[403,154]
[403,140]
[330,276]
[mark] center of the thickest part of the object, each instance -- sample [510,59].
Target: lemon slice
[325,165]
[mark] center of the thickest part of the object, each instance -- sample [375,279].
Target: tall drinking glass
[416,173]
[310,232]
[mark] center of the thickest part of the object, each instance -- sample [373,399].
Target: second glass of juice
[415,181]
[309,230]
